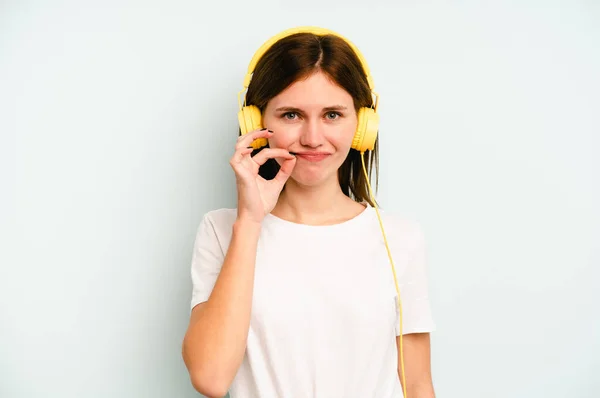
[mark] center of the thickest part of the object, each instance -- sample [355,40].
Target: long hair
[296,57]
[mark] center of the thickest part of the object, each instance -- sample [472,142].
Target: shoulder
[217,223]
[402,228]
[223,217]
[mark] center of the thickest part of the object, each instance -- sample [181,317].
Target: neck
[313,205]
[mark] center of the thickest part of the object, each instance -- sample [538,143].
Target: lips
[312,157]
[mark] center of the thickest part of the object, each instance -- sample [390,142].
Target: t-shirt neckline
[347,223]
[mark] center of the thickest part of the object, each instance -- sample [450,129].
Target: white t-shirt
[324,317]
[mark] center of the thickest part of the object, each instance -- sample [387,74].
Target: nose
[312,133]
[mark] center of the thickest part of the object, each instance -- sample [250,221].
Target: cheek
[280,141]
[346,131]
[343,138]
[281,137]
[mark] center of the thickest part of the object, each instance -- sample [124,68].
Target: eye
[289,115]
[333,115]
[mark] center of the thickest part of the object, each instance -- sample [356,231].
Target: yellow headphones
[250,118]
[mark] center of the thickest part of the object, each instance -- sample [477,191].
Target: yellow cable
[393,271]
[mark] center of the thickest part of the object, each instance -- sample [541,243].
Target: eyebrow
[327,109]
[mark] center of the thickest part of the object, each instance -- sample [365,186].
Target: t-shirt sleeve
[414,289]
[207,259]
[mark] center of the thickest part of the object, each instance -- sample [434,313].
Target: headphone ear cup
[366,130]
[250,119]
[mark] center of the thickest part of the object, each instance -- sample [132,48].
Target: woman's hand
[257,196]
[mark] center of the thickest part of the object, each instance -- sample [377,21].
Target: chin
[312,179]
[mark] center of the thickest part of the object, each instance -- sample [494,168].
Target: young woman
[294,293]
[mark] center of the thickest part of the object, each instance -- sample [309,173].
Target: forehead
[316,90]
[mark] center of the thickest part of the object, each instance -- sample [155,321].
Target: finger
[249,134]
[240,153]
[285,171]
[271,153]
[247,139]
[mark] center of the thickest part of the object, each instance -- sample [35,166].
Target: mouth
[311,156]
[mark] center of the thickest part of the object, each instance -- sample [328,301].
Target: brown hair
[297,56]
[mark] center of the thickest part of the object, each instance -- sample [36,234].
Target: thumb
[285,171]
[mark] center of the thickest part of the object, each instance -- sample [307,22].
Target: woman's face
[315,119]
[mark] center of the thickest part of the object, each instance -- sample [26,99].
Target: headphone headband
[304,29]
